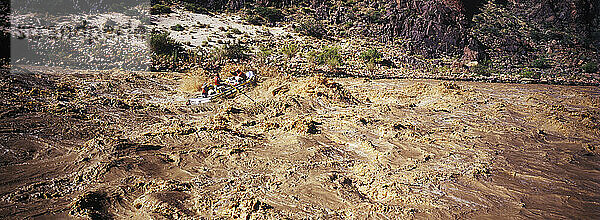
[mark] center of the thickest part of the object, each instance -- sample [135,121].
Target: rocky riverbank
[119,40]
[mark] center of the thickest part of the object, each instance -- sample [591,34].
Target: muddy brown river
[112,144]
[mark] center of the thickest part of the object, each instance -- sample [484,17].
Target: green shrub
[271,15]
[312,28]
[195,8]
[231,52]
[163,44]
[483,68]
[440,69]
[375,16]
[540,63]
[262,15]
[160,9]
[177,27]
[329,56]
[528,73]
[264,53]
[235,31]
[290,49]
[254,19]
[590,67]
[371,56]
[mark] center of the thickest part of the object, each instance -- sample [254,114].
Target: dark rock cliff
[458,28]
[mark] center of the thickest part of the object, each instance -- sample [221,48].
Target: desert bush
[195,8]
[371,56]
[376,16]
[231,52]
[484,68]
[177,27]
[235,31]
[440,69]
[182,61]
[254,19]
[163,44]
[530,74]
[264,53]
[290,49]
[312,28]
[271,15]
[262,15]
[540,63]
[109,25]
[160,9]
[590,67]
[329,56]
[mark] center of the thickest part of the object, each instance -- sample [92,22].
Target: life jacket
[217,81]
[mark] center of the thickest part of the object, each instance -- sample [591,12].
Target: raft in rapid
[229,87]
